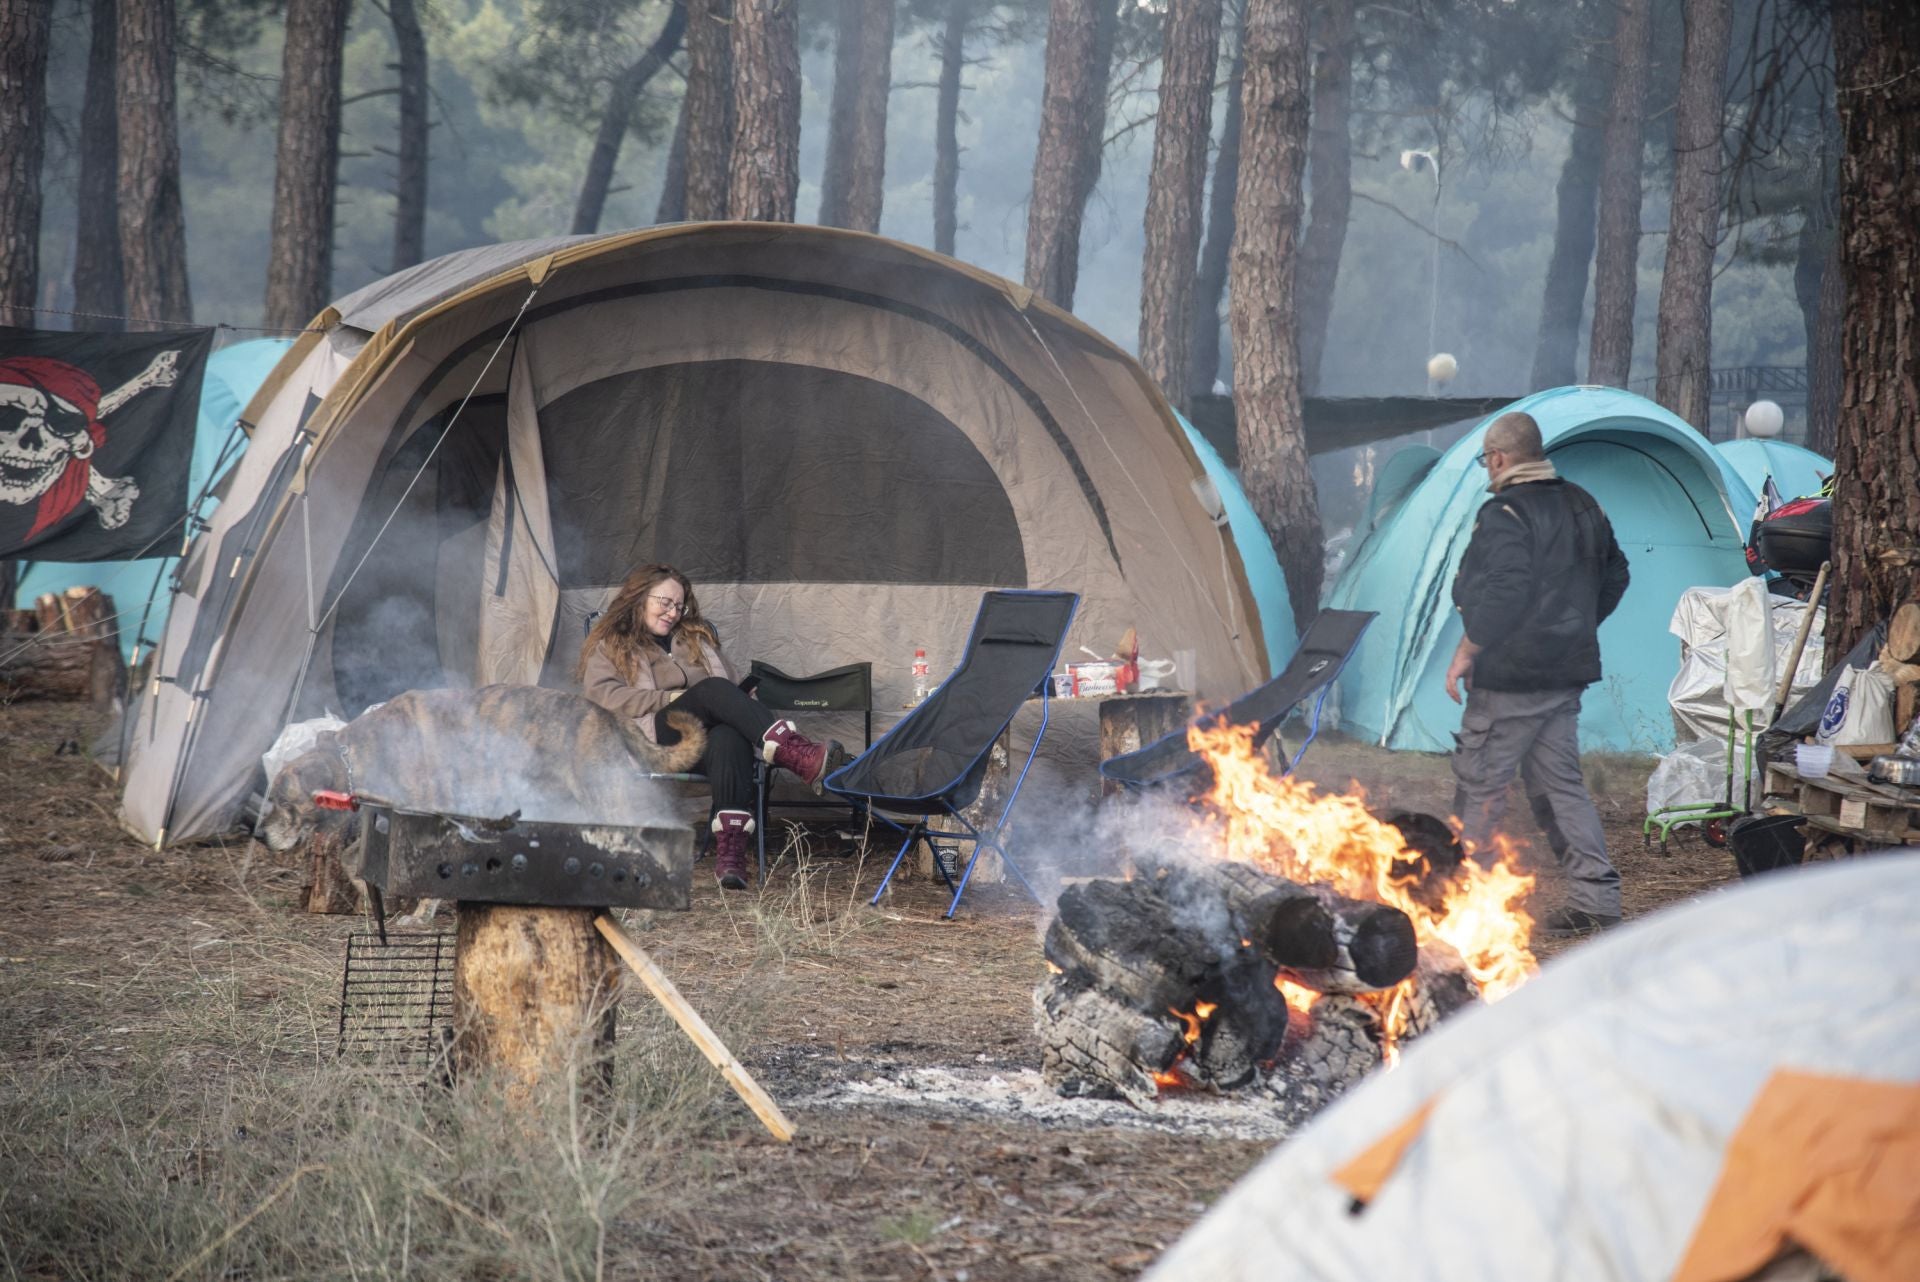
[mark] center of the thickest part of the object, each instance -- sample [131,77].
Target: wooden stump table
[533,989]
[1129,722]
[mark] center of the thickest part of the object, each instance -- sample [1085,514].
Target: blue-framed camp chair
[1329,642]
[933,762]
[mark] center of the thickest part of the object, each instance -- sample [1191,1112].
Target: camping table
[1129,722]
[1857,808]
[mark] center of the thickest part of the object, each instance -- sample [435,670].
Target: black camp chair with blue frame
[933,762]
[1323,652]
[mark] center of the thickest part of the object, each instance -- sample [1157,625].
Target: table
[1129,722]
[1857,808]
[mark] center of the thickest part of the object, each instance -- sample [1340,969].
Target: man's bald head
[1517,436]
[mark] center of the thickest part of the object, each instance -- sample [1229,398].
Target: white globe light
[1441,367]
[1764,418]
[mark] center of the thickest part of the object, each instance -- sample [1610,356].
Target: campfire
[1309,943]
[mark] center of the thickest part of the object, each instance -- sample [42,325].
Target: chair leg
[892,867]
[760,818]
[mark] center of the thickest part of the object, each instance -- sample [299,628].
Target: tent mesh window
[396,1001]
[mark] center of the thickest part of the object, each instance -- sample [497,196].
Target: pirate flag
[96,434]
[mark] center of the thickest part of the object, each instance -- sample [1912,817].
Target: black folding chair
[934,761]
[1330,641]
[845,689]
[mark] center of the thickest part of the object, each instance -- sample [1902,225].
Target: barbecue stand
[521,882]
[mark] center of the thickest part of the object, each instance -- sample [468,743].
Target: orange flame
[1289,827]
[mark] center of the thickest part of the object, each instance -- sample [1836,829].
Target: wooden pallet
[1850,807]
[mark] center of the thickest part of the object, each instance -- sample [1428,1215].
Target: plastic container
[1813,760]
[1766,843]
[922,675]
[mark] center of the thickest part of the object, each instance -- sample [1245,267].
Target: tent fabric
[1262,564]
[1579,1127]
[232,375]
[1830,1164]
[1677,507]
[1796,470]
[662,391]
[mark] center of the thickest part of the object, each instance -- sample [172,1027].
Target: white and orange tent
[1686,1098]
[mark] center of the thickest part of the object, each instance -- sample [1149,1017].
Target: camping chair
[934,761]
[1329,642]
[845,689]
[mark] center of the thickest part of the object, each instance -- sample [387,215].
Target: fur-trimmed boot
[784,746]
[732,829]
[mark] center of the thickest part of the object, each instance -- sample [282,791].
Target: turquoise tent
[1679,510]
[233,374]
[1269,584]
[1796,470]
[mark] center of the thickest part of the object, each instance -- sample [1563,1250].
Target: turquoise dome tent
[233,374]
[1264,575]
[1679,511]
[1796,470]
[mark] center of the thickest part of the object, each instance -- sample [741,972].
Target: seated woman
[651,650]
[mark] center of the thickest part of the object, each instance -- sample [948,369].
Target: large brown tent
[842,439]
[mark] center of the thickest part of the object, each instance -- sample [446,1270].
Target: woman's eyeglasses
[668,605]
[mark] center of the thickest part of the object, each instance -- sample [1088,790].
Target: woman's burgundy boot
[785,747]
[731,831]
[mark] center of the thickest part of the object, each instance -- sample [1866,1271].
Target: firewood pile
[1181,975]
[66,647]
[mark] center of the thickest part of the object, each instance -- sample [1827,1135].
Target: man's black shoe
[1564,923]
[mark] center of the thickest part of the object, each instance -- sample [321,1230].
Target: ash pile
[1223,976]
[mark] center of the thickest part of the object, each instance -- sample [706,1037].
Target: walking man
[1540,573]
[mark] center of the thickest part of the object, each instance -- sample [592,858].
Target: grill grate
[396,1000]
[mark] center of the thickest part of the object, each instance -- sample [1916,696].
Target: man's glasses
[668,605]
[1481,457]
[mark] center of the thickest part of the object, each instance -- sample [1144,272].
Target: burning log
[1323,941]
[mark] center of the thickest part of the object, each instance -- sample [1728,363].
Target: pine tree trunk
[763,173]
[1684,353]
[854,184]
[1876,506]
[410,176]
[1616,264]
[1825,369]
[709,107]
[1176,192]
[1072,109]
[306,163]
[1330,170]
[153,228]
[1564,300]
[96,252]
[23,141]
[618,116]
[946,127]
[1266,362]
[1211,281]
[673,185]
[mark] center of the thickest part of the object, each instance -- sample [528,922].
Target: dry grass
[172,1102]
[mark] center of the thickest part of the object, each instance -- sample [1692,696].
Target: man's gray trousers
[1535,732]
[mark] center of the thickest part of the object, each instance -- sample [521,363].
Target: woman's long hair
[622,630]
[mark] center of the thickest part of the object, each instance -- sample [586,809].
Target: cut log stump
[534,994]
[330,888]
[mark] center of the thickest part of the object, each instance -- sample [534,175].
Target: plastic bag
[1692,773]
[1860,709]
[296,740]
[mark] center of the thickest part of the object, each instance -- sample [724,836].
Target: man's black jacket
[1540,573]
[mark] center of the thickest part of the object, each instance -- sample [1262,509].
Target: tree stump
[1129,722]
[534,991]
[66,647]
[330,889]
[986,808]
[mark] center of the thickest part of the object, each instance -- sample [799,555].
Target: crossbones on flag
[96,435]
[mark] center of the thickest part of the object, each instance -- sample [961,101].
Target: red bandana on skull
[77,388]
